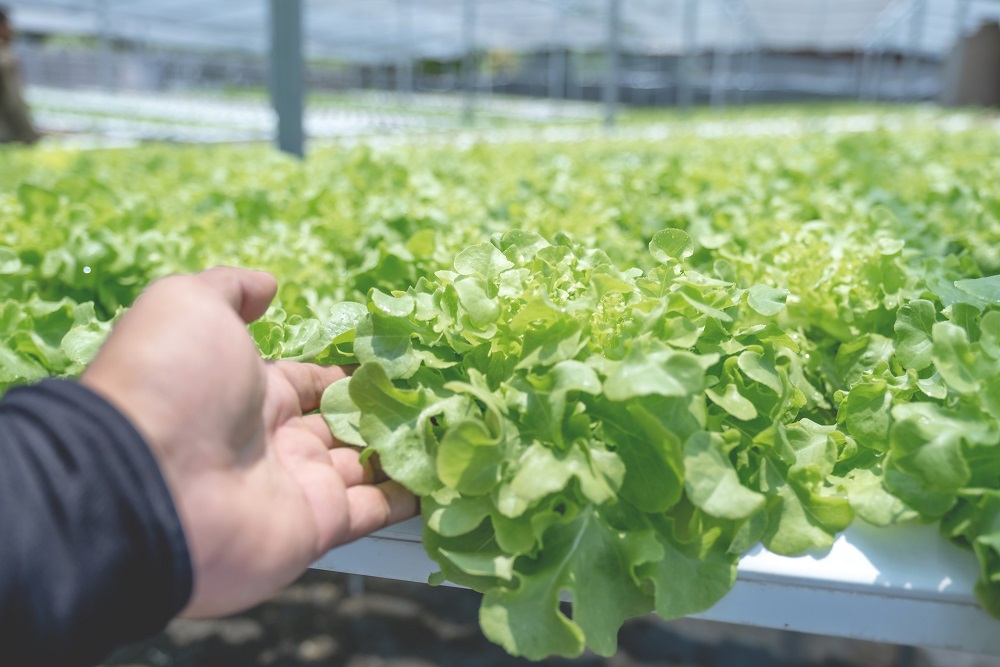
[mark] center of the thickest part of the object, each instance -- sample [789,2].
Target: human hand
[262,489]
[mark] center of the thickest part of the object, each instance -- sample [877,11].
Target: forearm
[92,553]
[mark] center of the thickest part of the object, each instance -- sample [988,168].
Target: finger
[316,425]
[309,380]
[347,463]
[373,507]
[248,292]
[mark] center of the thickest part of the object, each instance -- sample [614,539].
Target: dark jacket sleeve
[92,552]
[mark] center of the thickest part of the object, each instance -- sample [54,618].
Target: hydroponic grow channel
[903,584]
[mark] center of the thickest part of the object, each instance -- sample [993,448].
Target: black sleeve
[92,552]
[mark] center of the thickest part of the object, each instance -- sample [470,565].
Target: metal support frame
[489,68]
[860,71]
[469,61]
[880,76]
[755,65]
[741,78]
[109,81]
[721,65]
[612,65]
[870,85]
[918,19]
[557,73]
[574,89]
[288,74]
[738,10]
[557,57]
[404,50]
[961,20]
[380,74]
[689,39]
[873,65]
[723,74]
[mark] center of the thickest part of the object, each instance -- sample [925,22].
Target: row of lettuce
[608,368]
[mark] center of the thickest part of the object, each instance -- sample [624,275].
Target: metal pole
[557,73]
[611,73]
[287,74]
[862,71]
[755,73]
[742,75]
[958,58]
[469,60]
[685,90]
[573,87]
[494,68]
[877,85]
[961,18]
[720,76]
[404,56]
[380,74]
[487,67]
[918,18]
[557,58]
[106,50]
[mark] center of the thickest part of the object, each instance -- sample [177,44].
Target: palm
[261,486]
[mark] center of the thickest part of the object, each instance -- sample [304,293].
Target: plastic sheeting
[386,30]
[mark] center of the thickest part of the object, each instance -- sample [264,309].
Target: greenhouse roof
[384,30]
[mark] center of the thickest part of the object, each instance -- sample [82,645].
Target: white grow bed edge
[902,585]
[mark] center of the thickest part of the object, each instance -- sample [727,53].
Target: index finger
[248,292]
[375,506]
[309,380]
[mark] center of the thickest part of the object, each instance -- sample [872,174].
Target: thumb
[248,292]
